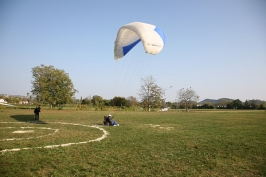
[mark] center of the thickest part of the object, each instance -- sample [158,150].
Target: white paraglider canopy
[131,34]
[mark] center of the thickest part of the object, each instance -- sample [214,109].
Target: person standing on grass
[37,111]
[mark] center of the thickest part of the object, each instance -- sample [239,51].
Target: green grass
[199,143]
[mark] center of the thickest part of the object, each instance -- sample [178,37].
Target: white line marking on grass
[159,126]
[105,133]
[167,128]
[23,131]
[29,131]
[151,125]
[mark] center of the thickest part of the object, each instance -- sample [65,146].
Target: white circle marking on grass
[159,126]
[23,131]
[105,133]
[29,131]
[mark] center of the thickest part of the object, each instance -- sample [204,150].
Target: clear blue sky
[216,47]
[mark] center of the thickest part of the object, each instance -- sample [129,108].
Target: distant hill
[213,101]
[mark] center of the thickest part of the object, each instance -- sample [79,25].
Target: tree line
[131,103]
[53,87]
[235,104]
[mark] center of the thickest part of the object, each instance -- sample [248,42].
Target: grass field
[199,143]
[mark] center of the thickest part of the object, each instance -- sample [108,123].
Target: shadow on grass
[27,118]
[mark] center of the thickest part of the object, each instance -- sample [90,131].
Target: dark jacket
[37,110]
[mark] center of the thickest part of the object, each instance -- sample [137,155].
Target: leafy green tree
[229,105]
[254,104]
[187,98]
[150,93]
[98,102]
[222,104]
[119,101]
[207,105]
[51,85]
[13,99]
[263,105]
[107,102]
[237,104]
[247,104]
[174,105]
[96,99]
[170,104]
[9,99]
[86,101]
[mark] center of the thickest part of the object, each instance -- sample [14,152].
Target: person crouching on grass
[109,120]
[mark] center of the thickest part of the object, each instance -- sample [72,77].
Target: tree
[237,104]
[263,105]
[107,102]
[187,97]
[87,101]
[132,101]
[222,104]
[207,105]
[29,99]
[150,93]
[254,104]
[229,105]
[51,85]
[119,101]
[247,104]
[98,102]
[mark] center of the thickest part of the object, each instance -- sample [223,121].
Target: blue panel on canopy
[127,48]
[160,32]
